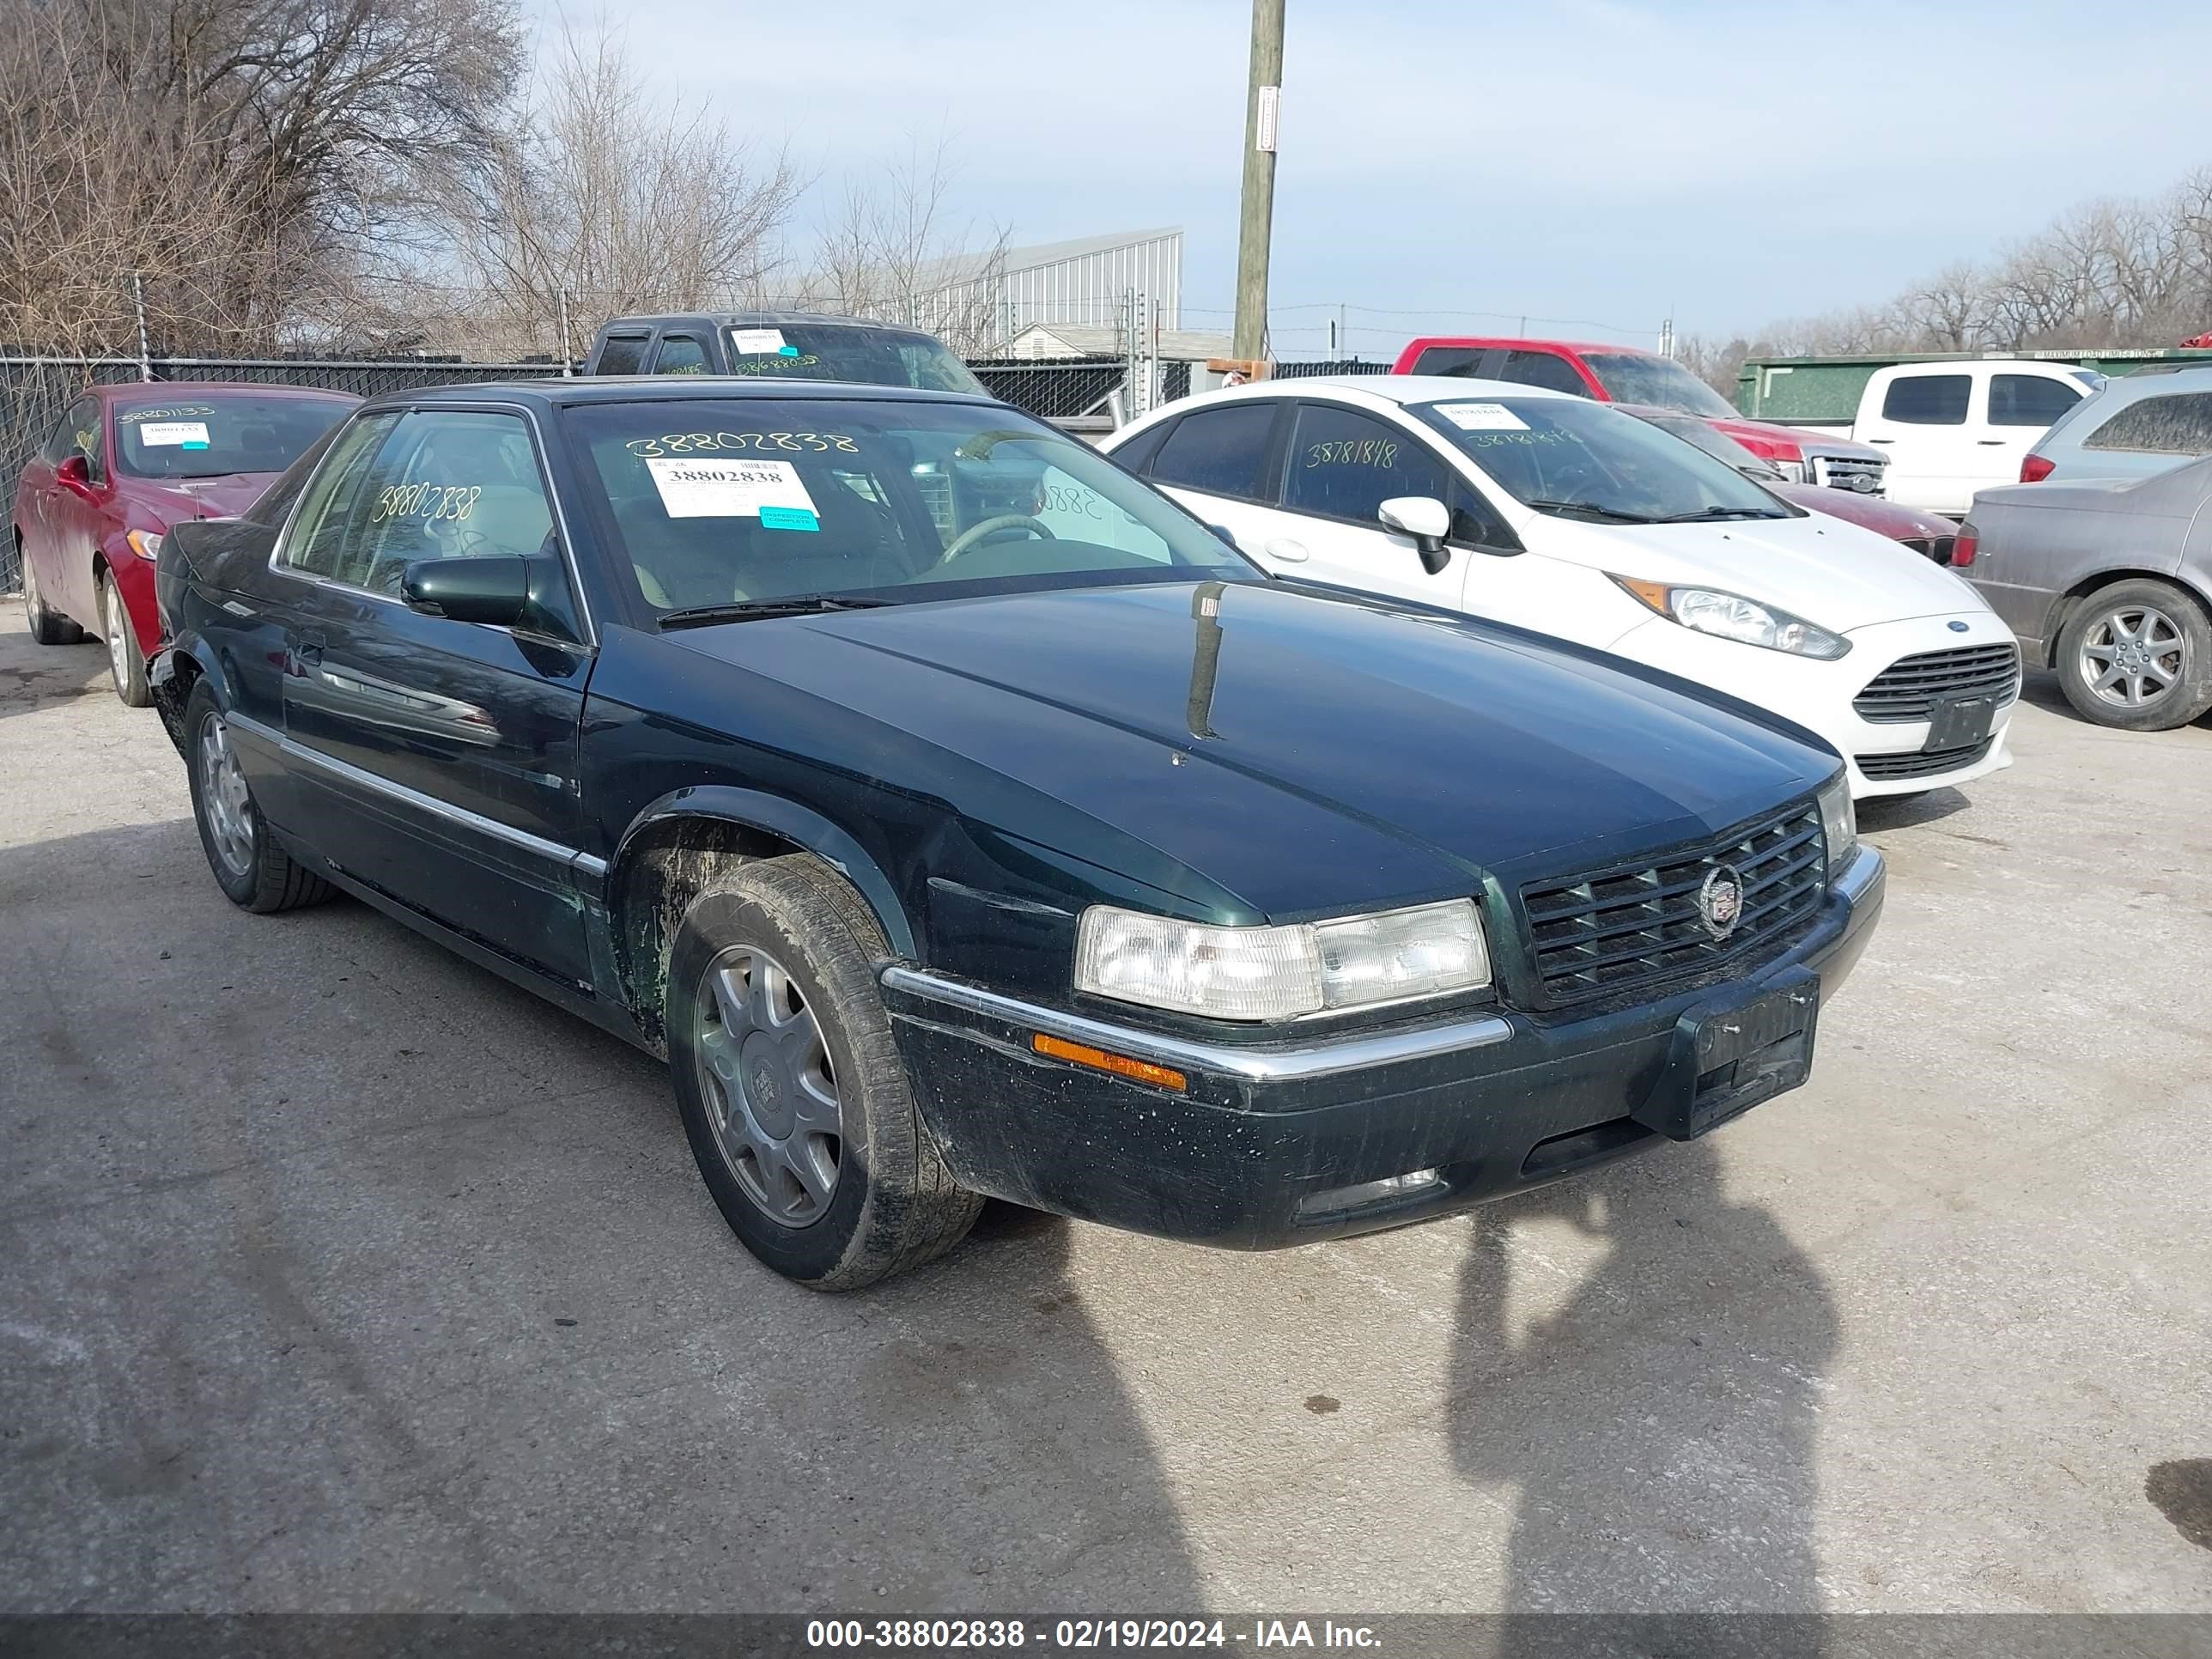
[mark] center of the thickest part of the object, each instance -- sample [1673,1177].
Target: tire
[126,663]
[2156,638]
[47,627]
[254,873]
[877,1198]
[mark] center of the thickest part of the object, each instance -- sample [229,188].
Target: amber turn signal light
[1076,1054]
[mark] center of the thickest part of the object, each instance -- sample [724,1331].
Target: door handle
[1288,551]
[1988,442]
[1882,441]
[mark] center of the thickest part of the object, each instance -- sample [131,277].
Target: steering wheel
[968,537]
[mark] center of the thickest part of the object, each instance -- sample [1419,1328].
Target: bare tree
[616,199]
[2107,273]
[894,251]
[250,157]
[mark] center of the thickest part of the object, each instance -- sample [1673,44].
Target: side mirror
[490,588]
[1224,532]
[1426,520]
[75,474]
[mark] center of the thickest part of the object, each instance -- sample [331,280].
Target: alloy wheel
[2132,656]
[771,1088]
[223,798]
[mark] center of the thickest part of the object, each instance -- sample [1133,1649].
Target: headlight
[146,544]
[1279,972]
[1839,822]
[1732,617]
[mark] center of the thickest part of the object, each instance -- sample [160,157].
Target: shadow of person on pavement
[1656,1409]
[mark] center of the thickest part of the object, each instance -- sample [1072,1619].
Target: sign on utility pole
[1256,222]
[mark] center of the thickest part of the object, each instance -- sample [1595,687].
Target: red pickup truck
[1622,374]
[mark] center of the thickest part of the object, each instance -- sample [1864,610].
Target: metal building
[1088,282]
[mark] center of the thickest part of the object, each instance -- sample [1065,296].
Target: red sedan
[126,463]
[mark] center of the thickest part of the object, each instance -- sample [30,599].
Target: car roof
[558,392]
[1527,342]
[754,320]
[1393,388]
[121,389]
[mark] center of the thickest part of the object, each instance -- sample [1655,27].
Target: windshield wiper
[1602,514]
[1714,514]
[791,604]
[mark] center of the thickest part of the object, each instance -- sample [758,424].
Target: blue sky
[1592,160]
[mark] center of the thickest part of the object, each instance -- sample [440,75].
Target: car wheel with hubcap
[254,871]
[47,627]
[795,1102]
[2137,656]
[126,663]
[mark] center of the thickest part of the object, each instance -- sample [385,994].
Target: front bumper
[1817,695]
[1279,1144]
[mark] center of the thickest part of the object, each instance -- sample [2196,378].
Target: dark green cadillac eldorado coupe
[961,818]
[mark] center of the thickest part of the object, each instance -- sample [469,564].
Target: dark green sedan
[962,819]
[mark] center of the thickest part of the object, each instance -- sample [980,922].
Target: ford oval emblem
[1958,628]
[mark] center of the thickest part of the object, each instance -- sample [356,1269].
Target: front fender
[788,821]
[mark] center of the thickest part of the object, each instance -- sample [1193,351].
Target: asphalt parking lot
[342,1276]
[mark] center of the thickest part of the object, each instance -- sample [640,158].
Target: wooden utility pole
[1256,222]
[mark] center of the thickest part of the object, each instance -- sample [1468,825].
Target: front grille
[1937,548]
[1861,478]
[1918,763]
[1908,688]
[1620,929]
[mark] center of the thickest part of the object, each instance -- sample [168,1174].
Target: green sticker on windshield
[788,518]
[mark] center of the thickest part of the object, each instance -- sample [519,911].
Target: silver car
[2108,584]
[2147,423]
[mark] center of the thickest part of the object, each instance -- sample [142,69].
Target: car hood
[1891,518]
[1817,567]
[173,500]
[1305,753]
[1827,443]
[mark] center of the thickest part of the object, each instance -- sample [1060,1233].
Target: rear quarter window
[2178,424]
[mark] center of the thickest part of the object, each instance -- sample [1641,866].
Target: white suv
[1572,519]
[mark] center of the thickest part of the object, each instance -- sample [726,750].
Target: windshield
[216,436]
[730,501]
[1637,377]
[1577,459]
[1718,444]
[833,351]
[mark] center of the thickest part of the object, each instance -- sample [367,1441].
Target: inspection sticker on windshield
[1482,417]
[771,491]
[191,434]
[760,343]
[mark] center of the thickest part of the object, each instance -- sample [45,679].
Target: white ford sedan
[1560,516]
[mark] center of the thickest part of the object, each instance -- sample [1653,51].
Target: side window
[2029,400]
[1927,399]
[83,433]
[62,442]
[445,483]
[1222,451]
[1137,455]
[2180,424]
[678,353]
[1460,361]
[622,354]
[1343,465]
[1474,520]
[335,497]
[1544,368]
[1074,512]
